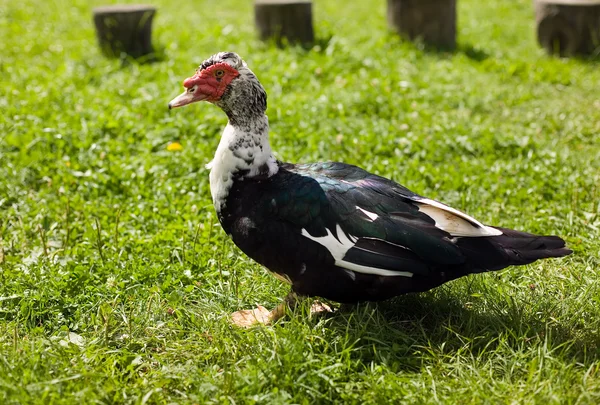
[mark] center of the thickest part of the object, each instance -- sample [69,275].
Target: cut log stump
[284,19]
[568,27]
[124,29]
[432,21]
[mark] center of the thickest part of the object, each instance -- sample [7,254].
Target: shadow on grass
[593,59]
[467,49]
[475,54]
[479,55]
[470,51]
[417,329]
[159,55]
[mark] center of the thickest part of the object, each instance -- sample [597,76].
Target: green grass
[116,280]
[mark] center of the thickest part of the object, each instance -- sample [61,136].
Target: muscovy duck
[331,229]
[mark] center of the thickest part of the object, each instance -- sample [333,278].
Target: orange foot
[262,316]
[250,317]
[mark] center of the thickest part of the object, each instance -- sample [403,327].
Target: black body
[265,217]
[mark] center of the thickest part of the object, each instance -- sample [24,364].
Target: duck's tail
[512,248]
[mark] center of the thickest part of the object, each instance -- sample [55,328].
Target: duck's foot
[250,317]
[262,316]
[320,308]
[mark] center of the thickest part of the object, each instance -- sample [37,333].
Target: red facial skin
[212,81]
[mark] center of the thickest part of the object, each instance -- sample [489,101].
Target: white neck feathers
[239,150]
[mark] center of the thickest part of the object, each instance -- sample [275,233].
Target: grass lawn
[116,280]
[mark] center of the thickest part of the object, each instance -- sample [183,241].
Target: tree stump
[124,29]
[568,27]
[432,21]
[289,19]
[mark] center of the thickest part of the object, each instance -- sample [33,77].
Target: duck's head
[224,79]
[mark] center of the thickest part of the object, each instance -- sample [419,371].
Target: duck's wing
[446,218]
[373,225]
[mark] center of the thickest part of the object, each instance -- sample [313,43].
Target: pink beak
[186,98]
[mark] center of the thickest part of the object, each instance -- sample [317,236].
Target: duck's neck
[244,151]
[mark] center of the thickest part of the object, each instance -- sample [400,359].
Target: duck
[333,230]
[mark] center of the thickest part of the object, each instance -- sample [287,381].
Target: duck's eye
[219,73]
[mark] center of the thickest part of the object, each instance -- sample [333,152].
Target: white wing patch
[453,221]
[372,216]
[338,247]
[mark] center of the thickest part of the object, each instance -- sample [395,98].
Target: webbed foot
[262,316]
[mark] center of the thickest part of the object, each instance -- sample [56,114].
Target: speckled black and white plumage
[244,146]
[336,231]
[245,101]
